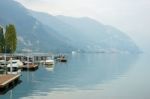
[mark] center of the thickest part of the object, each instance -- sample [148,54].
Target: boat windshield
[14,69]
[14,62]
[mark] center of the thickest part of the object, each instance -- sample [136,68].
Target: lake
[88,76]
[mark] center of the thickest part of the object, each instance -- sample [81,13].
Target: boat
[13,68]
[61,58]
[3,63]
[49,62]
[17,62]
[42,61]
[29,66]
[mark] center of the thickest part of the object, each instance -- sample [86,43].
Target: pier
[8,81]
[31,57]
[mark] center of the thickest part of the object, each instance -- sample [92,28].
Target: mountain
[42,32]
[87,34]
[32,34]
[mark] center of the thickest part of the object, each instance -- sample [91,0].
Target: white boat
[17,62]
[13,68]
[42,61]
[49,62]
[2,63]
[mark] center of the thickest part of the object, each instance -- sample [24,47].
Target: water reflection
[81,72]
[49,68]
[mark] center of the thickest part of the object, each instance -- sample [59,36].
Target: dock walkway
[7,80]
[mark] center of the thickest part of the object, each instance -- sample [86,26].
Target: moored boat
[49,62]
[13,68]
[29,66]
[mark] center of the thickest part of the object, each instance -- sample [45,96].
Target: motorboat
[29,66]
[17,62]
[13,68]
[60,58]
[3,63]
[49,62]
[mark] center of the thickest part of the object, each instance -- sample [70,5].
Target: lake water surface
[88,76]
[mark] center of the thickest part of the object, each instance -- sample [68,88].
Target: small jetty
[7,81]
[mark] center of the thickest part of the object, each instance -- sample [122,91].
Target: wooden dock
[8,81]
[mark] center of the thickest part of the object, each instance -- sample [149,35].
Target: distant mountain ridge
[39,31]
[87,34]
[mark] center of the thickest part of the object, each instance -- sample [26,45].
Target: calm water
[88,76]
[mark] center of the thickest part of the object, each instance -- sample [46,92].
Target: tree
[2,40]
[10,39]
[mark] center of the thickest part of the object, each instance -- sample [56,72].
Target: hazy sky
[130,16]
